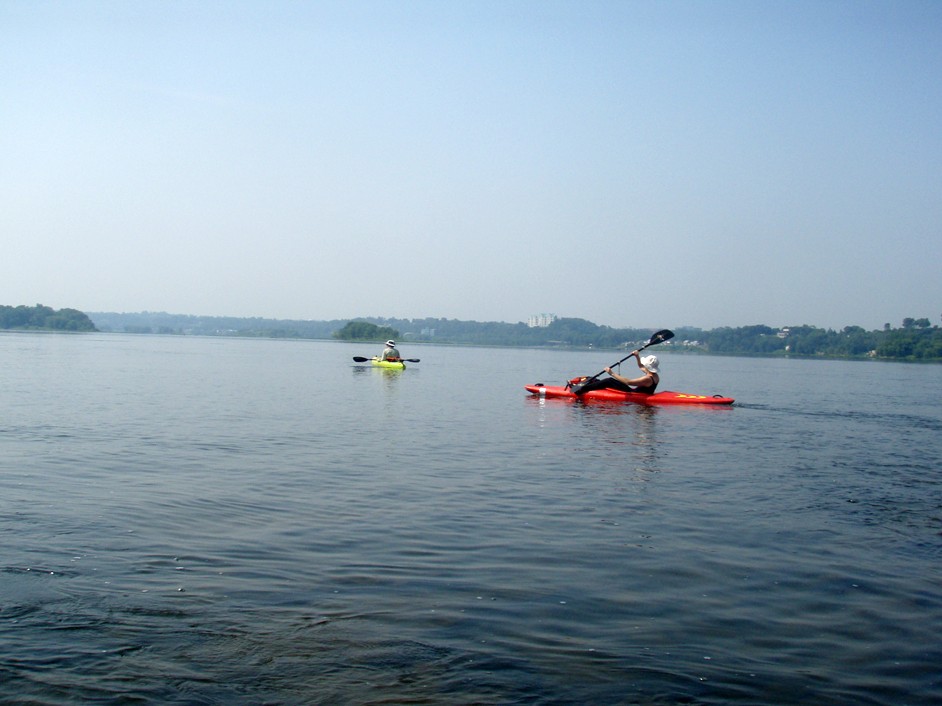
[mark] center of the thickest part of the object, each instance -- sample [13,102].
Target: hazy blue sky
[632,163]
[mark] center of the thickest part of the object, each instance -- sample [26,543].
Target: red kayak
[665,397]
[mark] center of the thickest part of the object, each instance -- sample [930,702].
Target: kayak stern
[388,364]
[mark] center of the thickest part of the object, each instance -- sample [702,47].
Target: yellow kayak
[390,364]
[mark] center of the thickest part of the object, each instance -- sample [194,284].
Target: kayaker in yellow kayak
[390,352]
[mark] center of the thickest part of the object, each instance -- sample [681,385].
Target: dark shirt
[613,384]
[646,389]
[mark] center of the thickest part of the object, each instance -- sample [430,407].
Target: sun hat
[650,363]
[391,343]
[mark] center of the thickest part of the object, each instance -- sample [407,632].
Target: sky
[636,164]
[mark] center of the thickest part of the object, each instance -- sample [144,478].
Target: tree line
[915,339]
[43,318]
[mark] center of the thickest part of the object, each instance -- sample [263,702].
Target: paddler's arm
[635,382]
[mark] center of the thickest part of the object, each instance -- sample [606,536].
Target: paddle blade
[660,337]
[360,359]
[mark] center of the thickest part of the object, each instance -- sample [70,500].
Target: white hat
[650,363]
[391,343]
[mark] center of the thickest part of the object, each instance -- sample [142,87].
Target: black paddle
[361,359]
[658,337]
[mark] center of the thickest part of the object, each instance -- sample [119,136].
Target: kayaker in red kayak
[645,383]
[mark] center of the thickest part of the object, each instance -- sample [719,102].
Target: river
[189,520]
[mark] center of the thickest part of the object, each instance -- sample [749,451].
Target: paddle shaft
[361,359]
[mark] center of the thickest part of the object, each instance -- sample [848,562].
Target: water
[219,521]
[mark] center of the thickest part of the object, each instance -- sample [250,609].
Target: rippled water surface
[199,520]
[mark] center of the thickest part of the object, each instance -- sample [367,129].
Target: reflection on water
[624,424]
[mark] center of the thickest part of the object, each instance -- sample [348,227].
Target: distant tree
[929,346]
[365,331]
[854,340]
[41,317]
[745,339]
[809,340]
[897,344]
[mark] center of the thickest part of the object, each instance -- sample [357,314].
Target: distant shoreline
[916,340]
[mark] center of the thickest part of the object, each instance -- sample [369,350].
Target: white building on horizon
[541,320]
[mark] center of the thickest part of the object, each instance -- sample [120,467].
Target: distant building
[541,320]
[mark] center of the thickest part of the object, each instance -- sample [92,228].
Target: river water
[216,521]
